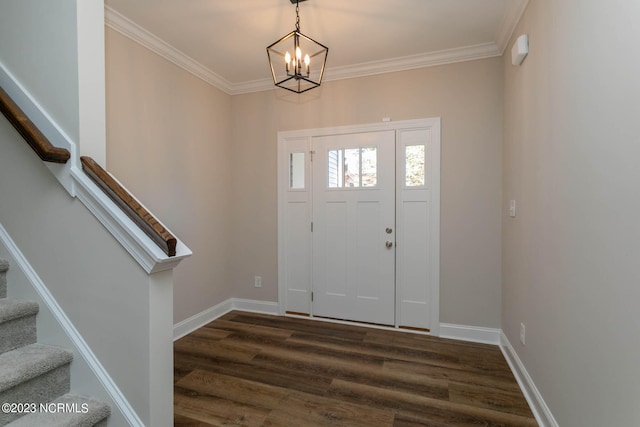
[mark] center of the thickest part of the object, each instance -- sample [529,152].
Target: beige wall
[169,142]
[38,36]
[570,257]
[205,163]
[468,98]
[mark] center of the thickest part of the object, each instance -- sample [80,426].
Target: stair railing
[124,200]
[25,127]
[130,205]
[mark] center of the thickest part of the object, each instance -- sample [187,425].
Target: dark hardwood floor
[248,369]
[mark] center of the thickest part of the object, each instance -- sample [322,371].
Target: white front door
[333,217]
[353,261]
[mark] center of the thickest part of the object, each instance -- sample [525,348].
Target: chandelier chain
[297,16]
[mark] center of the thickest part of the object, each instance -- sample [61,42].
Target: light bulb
[307,60]
[298,53]
[287,60]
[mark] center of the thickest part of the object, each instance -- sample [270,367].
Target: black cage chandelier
[297,61]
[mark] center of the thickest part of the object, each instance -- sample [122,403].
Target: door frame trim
[306,135]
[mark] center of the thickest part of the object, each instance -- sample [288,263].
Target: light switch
[512,208]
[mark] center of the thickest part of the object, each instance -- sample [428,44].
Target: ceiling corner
[511,19]
[126,27]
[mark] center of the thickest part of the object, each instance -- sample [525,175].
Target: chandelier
[297,61]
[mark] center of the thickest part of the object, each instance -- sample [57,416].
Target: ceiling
[224,41]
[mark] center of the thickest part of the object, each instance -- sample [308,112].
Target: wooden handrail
[130,206]
[40,144]
[49,153]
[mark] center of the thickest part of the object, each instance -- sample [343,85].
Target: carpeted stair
[37,374]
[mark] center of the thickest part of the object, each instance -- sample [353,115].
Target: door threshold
[413,328]
[357,322]
[295,313]
[406,329]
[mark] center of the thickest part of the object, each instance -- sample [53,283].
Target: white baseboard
[470,333]
[537,404]
[459,332]
[185,327]
[255,306]
[197,321]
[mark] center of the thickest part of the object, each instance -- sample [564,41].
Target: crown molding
[515,10]
[259,85]
[431,59]
[130,29]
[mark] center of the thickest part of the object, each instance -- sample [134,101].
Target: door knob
[389,244]
[389,230]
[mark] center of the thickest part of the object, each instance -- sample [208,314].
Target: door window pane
[414,165]
[352,167]
[369,166]
[296,171]
[334,169]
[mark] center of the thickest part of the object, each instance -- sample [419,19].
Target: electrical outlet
[522,333]
[257,281]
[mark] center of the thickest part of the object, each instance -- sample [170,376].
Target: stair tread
[11,309]
[31,361]
[78,411]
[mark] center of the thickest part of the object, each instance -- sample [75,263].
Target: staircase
[34,377]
